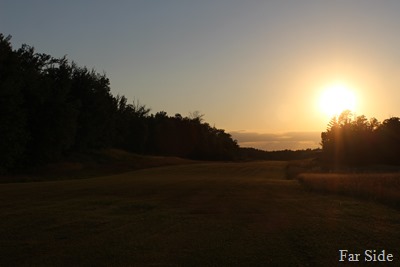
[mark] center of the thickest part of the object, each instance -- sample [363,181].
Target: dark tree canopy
[13,115]
[358,141]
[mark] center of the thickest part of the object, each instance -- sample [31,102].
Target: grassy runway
[208,214]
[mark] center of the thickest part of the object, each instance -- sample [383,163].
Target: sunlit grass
[383,187]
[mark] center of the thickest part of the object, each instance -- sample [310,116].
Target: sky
[254,68]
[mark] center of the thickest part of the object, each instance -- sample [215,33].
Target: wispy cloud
[280,141]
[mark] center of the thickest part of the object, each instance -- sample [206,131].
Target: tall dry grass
[382,187]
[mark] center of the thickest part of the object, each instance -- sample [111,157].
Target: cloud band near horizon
[279,141]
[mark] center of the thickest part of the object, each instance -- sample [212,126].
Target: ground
[206,214]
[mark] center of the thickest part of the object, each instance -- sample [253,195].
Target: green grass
[206,214]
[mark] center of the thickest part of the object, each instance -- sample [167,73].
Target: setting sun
[336,98]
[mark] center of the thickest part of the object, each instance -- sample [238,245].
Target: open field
[207,214]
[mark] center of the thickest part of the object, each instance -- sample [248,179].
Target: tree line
[50,107]
[250,153]
[357,140]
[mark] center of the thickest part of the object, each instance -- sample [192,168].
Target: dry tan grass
[376,186]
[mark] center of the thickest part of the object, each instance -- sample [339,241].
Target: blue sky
[255,67]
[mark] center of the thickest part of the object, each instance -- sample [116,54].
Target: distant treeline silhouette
[50,107]
[351,140]
[258,154]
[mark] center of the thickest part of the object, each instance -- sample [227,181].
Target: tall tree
[13,126]
[97,108]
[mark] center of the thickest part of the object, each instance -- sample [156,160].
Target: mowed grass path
[208,214]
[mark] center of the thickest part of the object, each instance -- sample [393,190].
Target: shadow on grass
[92,164]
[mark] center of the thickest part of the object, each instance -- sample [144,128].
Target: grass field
[207,214]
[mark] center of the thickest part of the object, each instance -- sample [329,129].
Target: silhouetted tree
[97,108]
[131,125]
[389,141]
[13,125]
[53,122]
[358,141]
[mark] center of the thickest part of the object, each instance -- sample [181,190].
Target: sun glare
[336,98]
